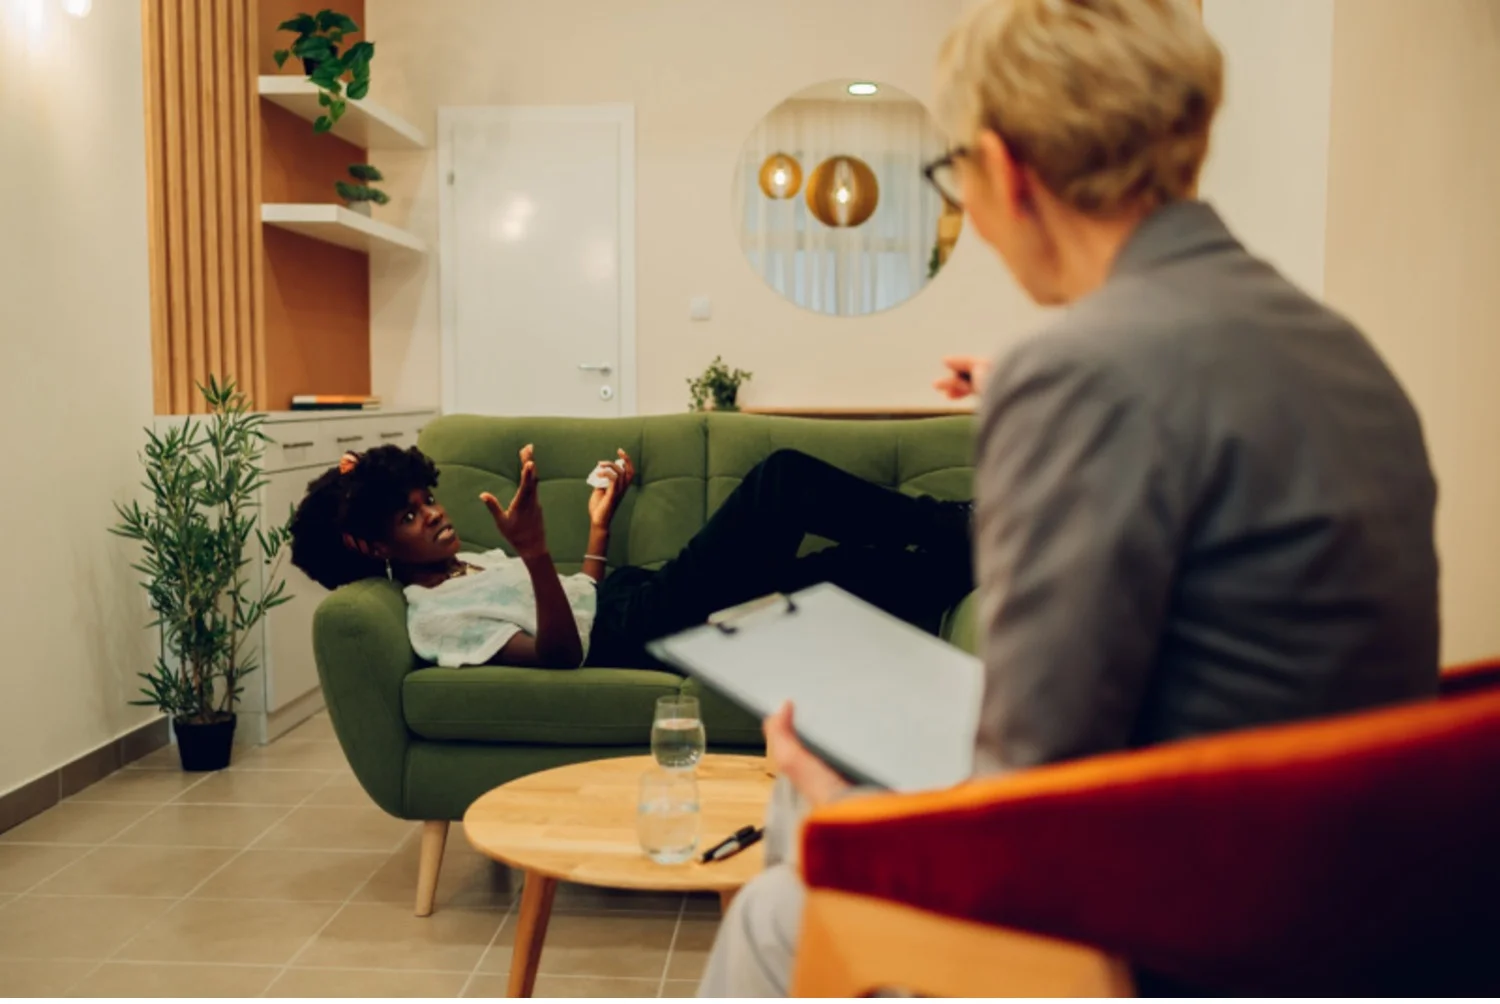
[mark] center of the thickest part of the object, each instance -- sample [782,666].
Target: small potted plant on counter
[199,538]
[359,196]
[718,387]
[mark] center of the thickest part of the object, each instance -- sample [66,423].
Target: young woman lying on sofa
[374,514]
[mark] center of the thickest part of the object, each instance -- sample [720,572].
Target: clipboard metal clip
[731,620]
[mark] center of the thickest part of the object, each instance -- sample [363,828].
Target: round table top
[577,823]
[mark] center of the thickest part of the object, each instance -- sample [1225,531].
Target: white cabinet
[284,691]
[287,662]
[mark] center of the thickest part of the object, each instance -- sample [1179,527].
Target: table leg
[531,931]
[726,896]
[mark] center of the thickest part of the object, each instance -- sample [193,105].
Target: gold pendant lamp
[780,176]
[842,191]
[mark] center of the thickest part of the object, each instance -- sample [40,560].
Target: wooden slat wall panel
[203,148]
[156,213]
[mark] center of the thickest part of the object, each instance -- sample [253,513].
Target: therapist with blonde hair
[1202,500]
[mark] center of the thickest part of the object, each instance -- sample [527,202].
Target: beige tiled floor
[279,878]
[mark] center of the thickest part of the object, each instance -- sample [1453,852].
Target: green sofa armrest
[363,655]
[959,626]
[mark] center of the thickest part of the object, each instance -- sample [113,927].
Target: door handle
[604,368]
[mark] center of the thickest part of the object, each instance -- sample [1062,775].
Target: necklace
[464,568]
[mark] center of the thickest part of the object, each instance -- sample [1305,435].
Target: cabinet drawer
[367,432]
[324,440]
[394,430]
[299,444]
[351,434]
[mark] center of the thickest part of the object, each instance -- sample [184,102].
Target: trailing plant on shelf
[363,192]
[718,385]
[317,45]
[203,478]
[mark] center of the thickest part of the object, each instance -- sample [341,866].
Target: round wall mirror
[830,204]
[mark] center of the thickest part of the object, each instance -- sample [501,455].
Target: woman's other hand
[966,375]
[521,524]
[604,501]
[815,781]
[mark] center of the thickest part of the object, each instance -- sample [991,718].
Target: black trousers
[908,555]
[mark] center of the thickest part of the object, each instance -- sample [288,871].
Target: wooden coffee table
[577,824]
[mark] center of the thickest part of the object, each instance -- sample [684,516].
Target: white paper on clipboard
[882,701]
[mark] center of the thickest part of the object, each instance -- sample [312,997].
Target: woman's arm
[556,644]
[593,558]
[602,506]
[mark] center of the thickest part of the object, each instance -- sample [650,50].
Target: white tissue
[598,479]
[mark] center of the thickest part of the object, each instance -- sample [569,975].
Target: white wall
[1267,171]
[1414,258]
[701,75]
[75,377]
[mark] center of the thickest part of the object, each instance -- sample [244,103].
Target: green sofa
[425,742]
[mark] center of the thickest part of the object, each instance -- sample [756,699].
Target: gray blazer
[1203,503]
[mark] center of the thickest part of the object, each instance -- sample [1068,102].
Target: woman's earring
[388,574]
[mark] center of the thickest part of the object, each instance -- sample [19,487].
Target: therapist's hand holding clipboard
[815,781]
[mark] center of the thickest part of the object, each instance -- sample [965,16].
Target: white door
[538,266]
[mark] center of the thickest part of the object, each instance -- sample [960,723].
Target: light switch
[701,309]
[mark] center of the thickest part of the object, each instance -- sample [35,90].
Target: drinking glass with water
[667,816]
[677,738]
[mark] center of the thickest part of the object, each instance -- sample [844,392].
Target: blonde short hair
[1108,101]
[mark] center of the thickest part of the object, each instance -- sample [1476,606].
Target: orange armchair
[1355,855]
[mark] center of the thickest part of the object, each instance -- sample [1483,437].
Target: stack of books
[335,402]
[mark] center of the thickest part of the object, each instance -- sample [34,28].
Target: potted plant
[203,478]
[719,386]
[317,45]
[358,197]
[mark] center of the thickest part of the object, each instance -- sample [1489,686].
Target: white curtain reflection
[857,270]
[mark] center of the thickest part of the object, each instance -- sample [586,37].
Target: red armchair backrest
[1469,677]
[1350,856]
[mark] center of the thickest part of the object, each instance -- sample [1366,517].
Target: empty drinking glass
[677,739]
[667,816]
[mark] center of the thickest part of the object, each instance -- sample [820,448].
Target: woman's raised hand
[966,375]
[521,523]
[604,501]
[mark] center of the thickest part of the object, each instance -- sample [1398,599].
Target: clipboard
[881,701]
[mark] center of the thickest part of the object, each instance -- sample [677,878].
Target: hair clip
[347,462]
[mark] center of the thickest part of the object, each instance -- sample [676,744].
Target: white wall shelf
[337,225]
[364,123]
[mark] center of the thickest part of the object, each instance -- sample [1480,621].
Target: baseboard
[36,797]
[279,723]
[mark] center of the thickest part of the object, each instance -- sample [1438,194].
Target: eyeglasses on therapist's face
[942,174]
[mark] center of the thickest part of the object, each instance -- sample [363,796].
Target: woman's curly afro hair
[362,503]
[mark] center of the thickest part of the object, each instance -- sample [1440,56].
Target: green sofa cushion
[659,515]
[583,707]
[605,707]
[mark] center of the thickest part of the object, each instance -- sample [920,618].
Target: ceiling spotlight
[863,90]
[78,8]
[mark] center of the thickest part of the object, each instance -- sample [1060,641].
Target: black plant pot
[204,746]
